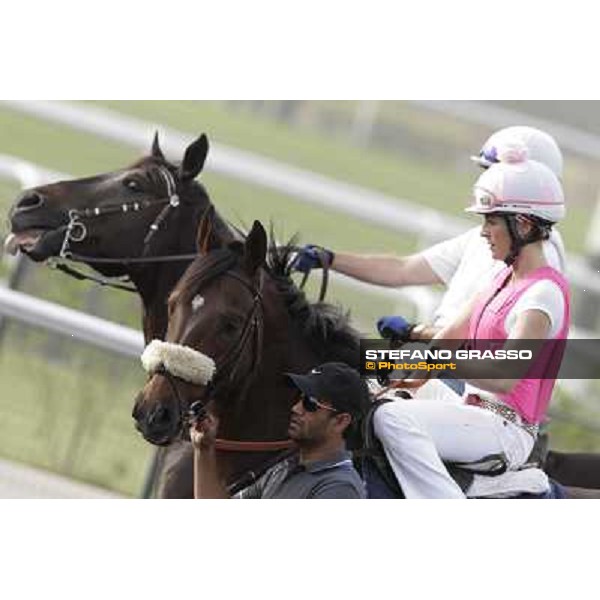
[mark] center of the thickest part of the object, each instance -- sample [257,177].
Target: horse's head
[112,215]
[214,337]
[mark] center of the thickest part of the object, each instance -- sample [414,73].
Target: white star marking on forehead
[197,302]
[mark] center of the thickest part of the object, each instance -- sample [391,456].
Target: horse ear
[255,250]
[193,159]
[156,151]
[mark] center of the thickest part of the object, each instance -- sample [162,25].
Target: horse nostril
[30,200]
[161,416]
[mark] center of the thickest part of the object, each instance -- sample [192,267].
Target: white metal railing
[72,323]
[26,173]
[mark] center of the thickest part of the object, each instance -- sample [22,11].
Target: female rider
[520,200]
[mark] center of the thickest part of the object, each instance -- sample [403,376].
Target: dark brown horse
[152,209]
[238,305]
[117,223]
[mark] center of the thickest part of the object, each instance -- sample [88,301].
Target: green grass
[575,423]
[66,407]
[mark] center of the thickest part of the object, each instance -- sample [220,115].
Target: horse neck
[263,412]
[155,281]
[154,289]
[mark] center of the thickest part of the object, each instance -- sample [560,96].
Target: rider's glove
[309,257]
[395,328]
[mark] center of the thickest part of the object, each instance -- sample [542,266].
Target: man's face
[313,427]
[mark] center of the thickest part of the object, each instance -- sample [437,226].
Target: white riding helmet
[518,185]
[541,146]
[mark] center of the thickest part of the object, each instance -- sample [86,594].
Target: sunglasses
[311,404]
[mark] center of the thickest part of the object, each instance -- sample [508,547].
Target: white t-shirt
[465,265]
[544,295]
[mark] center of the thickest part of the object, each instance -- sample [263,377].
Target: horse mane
[325,327]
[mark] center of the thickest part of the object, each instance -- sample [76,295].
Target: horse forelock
[201,272]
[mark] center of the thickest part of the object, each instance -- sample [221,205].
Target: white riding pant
[435,390]
[418,434]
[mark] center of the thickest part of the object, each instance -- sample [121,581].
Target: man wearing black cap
[331,399]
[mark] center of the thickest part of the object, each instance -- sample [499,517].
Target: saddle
[486,478]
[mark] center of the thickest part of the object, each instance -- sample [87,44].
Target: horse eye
[132,185]
[230,325]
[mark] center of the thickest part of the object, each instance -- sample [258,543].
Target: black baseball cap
[336,383]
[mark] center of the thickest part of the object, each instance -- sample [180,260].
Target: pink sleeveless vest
[530,397]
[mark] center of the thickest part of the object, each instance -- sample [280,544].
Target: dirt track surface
[21,481]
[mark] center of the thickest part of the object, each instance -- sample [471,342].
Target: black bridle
[76,232]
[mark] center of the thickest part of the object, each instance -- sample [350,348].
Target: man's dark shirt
[335,478]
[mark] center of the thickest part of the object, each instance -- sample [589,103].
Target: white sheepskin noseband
[181,361]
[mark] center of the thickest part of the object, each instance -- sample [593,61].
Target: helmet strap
[515,239]
[540,230]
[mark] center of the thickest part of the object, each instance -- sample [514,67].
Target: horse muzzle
[160,426]
[37,244]
[36,230]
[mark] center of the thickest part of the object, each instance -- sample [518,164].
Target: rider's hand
[395,328]
[203,432]
[309,257]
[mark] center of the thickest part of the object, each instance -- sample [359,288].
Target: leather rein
[325,264]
